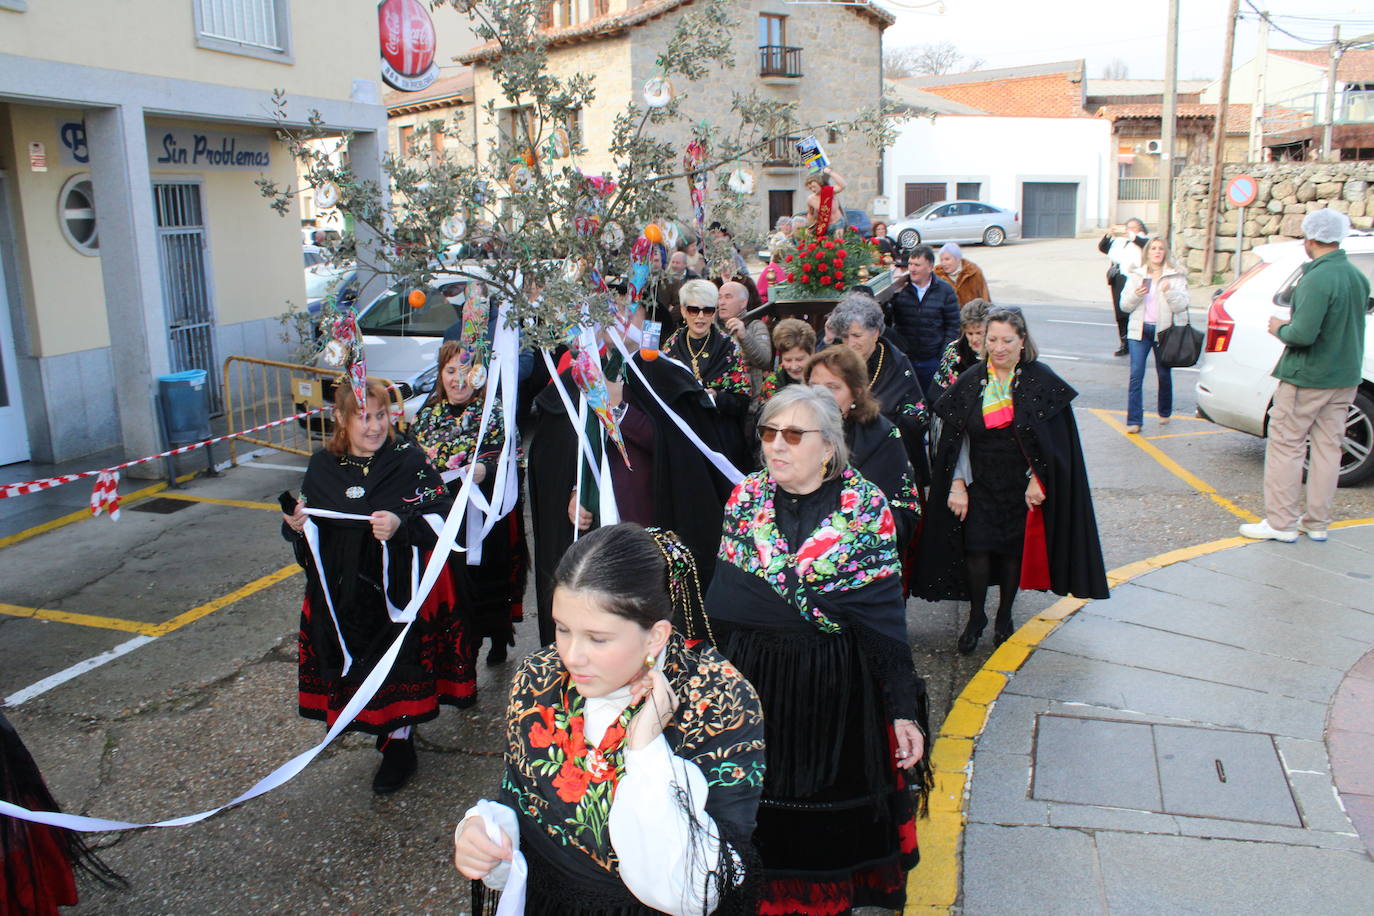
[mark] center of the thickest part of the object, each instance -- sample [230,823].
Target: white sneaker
[1260,531]
[1313,534]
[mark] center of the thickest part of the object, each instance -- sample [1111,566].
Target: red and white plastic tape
[105,495]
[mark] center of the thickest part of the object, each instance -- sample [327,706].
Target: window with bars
[259,28]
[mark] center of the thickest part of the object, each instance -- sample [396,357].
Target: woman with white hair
[1156,291]
[715,360]
[807,603]
[965,276]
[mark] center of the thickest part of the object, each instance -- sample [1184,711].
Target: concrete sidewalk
[1200,743]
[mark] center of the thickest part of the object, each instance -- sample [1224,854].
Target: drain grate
[160,506]
[1170,769]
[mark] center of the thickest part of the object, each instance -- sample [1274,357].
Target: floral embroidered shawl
[855,546]
[448,433]
[562,787]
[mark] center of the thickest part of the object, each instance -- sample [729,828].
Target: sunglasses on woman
[791,435]
[700,309]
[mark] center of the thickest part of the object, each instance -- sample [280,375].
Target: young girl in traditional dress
[634,759]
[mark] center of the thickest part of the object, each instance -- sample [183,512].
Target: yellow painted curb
[933,886]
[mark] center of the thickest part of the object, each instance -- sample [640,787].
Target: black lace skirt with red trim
[435,665]
[837,820]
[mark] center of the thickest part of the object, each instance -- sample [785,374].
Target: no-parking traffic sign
[1241,190]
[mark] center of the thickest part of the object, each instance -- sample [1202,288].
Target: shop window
[257,28]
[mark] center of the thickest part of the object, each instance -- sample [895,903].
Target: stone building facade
[1288,191]
[826,57]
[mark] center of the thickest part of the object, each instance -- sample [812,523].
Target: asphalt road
[191,715]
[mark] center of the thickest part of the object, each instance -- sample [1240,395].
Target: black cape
[1044,425]
[723,370]
[431,668]
[688,491]
[901,401]
[877,451]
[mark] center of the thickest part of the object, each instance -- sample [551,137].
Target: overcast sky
[1008,33]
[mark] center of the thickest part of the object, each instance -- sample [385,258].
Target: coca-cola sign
[408,41]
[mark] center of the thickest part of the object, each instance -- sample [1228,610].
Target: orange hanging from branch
[653,233]
[416,298]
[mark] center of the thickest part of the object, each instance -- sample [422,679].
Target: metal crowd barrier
[257,391]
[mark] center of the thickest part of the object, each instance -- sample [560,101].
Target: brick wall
[1052,95]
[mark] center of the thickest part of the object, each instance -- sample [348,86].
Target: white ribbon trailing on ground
[283,774]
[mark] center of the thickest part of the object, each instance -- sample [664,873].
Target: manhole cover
[161,506]
[1197,772]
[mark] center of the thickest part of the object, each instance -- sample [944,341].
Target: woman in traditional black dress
[634,761]
[807,601]
[669,483]
[857,322]
[446,427]
[38,862]
[794,341]
[716,362]
[875,445]
[1011,504]
[353,598]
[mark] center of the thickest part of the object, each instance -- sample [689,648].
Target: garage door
[1050,209]
[918,194]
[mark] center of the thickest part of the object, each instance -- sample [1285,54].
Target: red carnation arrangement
[827,265]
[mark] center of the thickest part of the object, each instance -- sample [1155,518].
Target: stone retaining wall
[1288,191]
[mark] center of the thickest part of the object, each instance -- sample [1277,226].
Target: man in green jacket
[1318,373]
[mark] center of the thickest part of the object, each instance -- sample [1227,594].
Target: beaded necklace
[873,380]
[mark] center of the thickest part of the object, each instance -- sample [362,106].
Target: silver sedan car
[956,221]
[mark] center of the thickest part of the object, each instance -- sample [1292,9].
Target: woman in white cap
[965,276]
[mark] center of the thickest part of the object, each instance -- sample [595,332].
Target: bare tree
[932,59]
[1115,70]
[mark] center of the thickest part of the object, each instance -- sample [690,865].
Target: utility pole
[1256,149]
[1331,92]
[1211,214]
[1167,122]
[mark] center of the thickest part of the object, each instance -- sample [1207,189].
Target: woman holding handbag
[1155,293]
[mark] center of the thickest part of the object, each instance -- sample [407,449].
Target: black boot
[973,631]
[1122,350]
[496,655]
[1002,629]
[398,763]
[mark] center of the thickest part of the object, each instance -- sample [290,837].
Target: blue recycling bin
[183,409]
[185,401]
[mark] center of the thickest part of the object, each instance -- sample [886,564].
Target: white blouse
[649,830]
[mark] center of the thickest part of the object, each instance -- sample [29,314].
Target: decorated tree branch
[563,246]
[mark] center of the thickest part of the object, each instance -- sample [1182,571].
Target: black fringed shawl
[563,798]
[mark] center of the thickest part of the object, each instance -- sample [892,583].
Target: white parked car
[966,221]
[402,343]
[1235,387]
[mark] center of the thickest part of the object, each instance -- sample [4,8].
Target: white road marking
[1061,356]
[80,668]
[1095,324]
[264,466]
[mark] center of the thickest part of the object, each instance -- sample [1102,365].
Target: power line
[1278,28]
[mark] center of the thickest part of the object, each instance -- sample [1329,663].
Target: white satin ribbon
[364,694]
[721,463]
